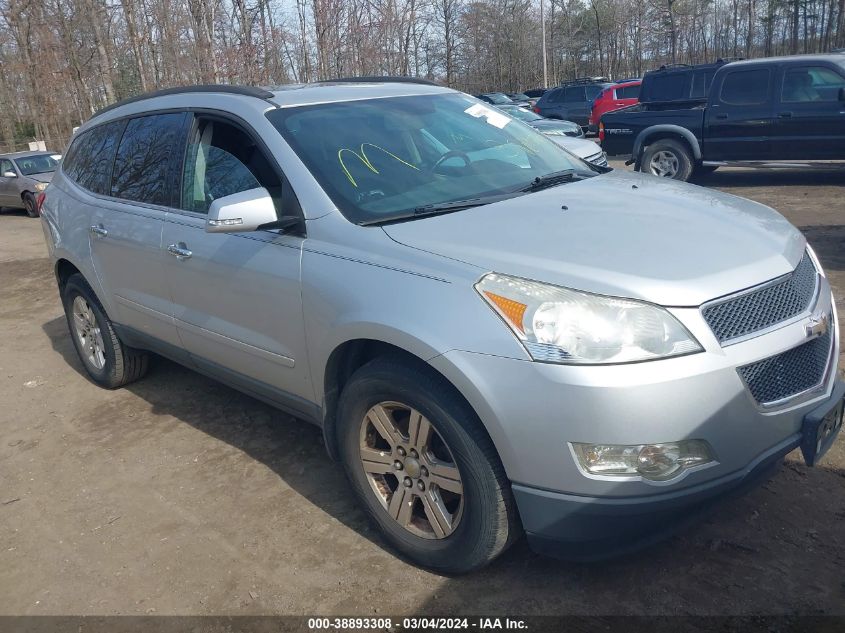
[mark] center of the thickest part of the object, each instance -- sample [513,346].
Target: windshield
[385,158]
[520,113]
[38,164]
[498,98]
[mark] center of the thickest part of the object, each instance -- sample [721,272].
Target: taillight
[536,109]
[39,201]
[601,132]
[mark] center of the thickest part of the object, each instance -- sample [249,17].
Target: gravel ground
[178,495]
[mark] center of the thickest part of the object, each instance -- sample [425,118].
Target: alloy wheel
[411,470]
[88,333]
[664,164]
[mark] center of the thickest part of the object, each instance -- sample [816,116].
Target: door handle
[180,251]
[785,115]
[721,116]
[99,230]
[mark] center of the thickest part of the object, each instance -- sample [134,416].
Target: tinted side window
[222,160]
[6,165]
[746,87]
[628,92]
[142,167]
[575,95]
[811,83]
[668,87]
[593,91]
[89,160]
[555,96]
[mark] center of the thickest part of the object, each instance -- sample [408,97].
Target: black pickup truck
[696,118]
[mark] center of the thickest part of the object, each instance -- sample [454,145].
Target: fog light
[657,462]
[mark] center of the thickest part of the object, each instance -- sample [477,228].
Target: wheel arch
[63,270]
[666,131]
[348,357]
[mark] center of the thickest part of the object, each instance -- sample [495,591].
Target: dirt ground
[178,495]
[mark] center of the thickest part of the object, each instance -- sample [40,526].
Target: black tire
[30,205]
[489,522]
[122,364]
[677,150]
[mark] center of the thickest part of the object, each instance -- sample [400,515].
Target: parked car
[535,93]
[489,341]
[23,175]
[521,99]
[549,127]
[496,98]
[756,111]
[572,100]
[619,95]
[584,149]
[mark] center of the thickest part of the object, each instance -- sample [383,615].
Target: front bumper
[533,411]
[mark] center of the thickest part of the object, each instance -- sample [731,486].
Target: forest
[62,60]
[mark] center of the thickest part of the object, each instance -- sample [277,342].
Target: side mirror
[9,174]
[241,212]
[842,94]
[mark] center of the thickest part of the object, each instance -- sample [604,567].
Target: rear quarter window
[89,159]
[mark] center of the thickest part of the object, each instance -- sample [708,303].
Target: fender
[639,142]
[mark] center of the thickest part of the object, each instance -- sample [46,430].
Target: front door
[740,120]
[810,116]
[236,297]
[8,190]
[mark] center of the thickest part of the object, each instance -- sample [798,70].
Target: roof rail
[385,79]
[728,60]
[249,91]
[671,66]
[583,80]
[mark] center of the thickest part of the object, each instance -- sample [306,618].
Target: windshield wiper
[549,180]
[441,208]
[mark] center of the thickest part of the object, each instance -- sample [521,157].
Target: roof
[37,152]
[331,92]
[837,58]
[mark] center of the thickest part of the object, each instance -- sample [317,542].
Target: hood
[582,148]
[548,124]
[46,176]
[623,234]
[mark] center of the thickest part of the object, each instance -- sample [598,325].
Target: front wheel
[425,470]
[29,205]
[667,158]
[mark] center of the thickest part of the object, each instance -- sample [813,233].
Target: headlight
[559,325]
[656,462]
[40,186]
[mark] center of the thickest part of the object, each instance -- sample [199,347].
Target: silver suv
[494,335]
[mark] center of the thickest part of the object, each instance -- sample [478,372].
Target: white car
[584,149]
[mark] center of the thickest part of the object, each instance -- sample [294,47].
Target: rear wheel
[667,158]
[107,360]
[29,205]
[424,468]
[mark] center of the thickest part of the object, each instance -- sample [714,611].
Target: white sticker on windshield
[496,119]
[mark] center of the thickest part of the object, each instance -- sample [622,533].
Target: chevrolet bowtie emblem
[817,326]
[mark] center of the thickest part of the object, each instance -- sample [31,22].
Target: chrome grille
[770,304]
[599,159]
[789,373]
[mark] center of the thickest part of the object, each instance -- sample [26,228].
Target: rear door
[576,108]
[739,120]
[126,225]
[236,296]
[810,121]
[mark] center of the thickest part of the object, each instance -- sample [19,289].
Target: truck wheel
[109,362]
[667,158]
[423,467]
[29,205]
